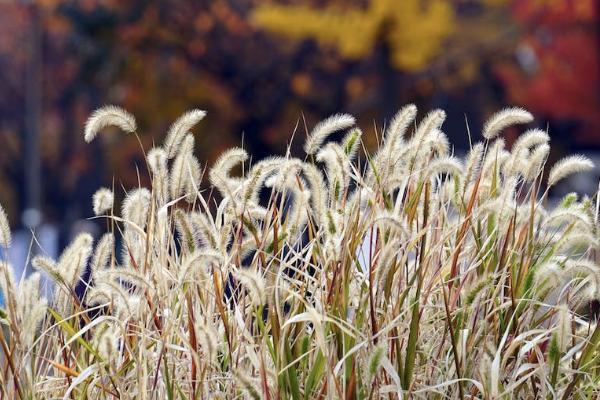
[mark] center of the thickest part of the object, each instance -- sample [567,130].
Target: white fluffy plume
[325,128]
[179,128]
[103,200]
[505,118]
[108,116]
[399,124]
[5,237]
[569,166]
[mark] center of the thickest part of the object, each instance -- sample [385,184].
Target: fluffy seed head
[375,360]
[103,201]
[184,229]
[536,161]
[247,384]
[44,264]
[103,252]
[157,161]
[531,138]
[337,166]
[179,128]
[325,128]
[351,142]
[205,230]
[185,176]
[569,166]
[74,259]
[473,161]
[563,327]
[252,184]
[108,116]
[207,338]
[254,283]
[136,206]
[505,118]
[400,124]
[5,236]
[107,342]
[432,121]
[7,284]
[388,219]
[493,155]
[219,173]
[446,165]
[31,307]
[439,142]
[319,190]
[187,144]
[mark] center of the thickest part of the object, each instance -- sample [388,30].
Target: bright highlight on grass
[408,273]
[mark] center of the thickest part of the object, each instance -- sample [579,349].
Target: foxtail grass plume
[73,261]
[185,175]
[531,138]
[325,128]
[8,285]
[351,142]
[31,308]
[564,327]
[399,124]
[180,128]
[505,118]
[446,165]
[108,116]
[103,253]
[219,173]
[106,341]
[535,163]
[136,206]
[5,236]
[254,283]
[157,161]
[569,166]
[46,265]
[375,359]
[103,201]
[430,124]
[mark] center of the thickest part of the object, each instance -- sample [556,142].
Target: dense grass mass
[404,273]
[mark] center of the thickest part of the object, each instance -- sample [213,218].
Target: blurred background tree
[355,32]
[395,31]
[261,67]
[557,73]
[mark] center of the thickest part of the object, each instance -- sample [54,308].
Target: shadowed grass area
[404,273]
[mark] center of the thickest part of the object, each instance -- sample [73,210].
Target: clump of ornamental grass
[409,272]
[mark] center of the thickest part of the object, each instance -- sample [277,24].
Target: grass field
[405,273]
